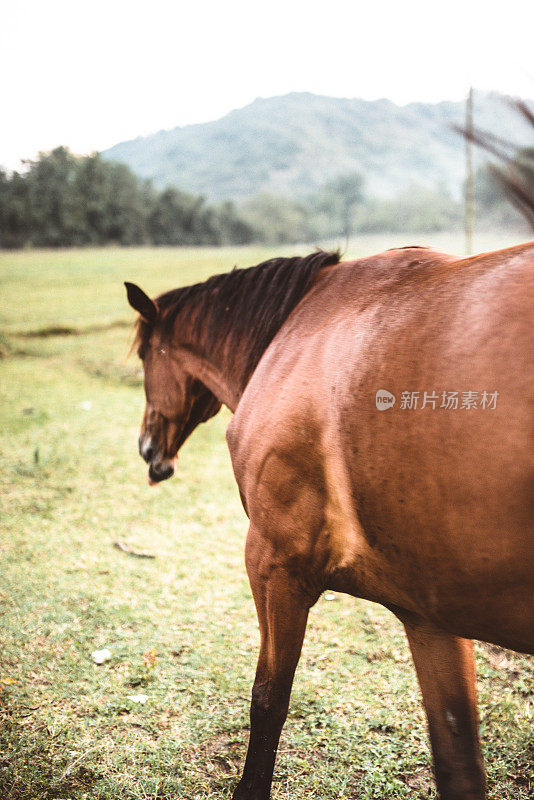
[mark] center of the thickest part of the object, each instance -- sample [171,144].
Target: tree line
[63,200]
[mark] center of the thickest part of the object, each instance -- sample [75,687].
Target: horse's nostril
[146,451]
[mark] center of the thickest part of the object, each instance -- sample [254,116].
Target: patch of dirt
[71,330]
[499,658]
[421,779]
[225,752]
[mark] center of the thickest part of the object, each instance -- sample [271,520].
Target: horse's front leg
[282,608]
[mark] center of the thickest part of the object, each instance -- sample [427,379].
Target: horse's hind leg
[446,671]
[282,613]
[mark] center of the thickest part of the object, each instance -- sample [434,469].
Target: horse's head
[176,401]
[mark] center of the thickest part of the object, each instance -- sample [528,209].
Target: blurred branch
[514,171]
[132,551]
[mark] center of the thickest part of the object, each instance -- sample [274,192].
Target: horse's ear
[141,302]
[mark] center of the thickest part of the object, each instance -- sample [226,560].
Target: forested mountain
[294,144]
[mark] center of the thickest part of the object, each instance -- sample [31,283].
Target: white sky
[91,74]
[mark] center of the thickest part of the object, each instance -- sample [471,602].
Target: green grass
[72,485]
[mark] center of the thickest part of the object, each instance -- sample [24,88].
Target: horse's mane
[244,308]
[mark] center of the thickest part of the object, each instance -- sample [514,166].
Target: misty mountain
[294,144]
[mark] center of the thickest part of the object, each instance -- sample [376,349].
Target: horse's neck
[223,373]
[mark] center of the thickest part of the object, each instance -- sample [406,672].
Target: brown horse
[383,445]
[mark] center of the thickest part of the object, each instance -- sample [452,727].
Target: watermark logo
[450,401]
[384,400]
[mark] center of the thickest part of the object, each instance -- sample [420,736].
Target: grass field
[181,627]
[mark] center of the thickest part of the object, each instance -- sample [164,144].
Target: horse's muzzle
[160,472]
[159,469]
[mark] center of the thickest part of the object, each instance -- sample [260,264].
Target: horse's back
[426,505]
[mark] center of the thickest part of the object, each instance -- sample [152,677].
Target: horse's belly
[459,554]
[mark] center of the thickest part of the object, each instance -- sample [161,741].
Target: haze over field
[90,75]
